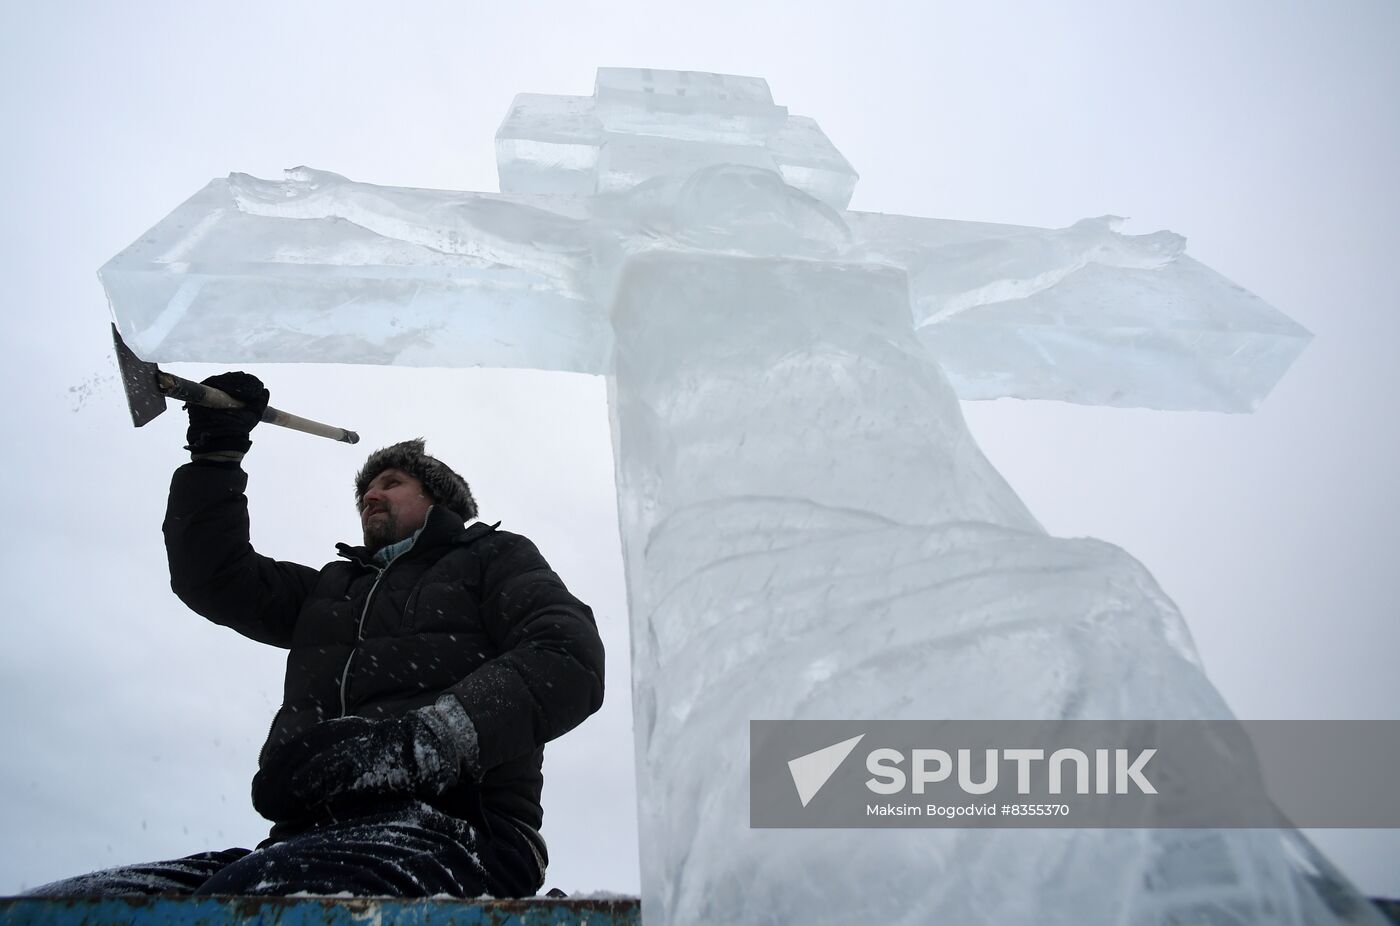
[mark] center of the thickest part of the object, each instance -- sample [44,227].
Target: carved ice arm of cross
[317,268]
[1082,314]
[320,268]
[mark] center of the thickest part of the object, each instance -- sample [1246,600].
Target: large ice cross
[808,528]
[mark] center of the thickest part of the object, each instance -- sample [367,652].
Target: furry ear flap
[443,484]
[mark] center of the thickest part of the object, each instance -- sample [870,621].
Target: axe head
[141,380]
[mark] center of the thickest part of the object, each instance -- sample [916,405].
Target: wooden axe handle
[199,394]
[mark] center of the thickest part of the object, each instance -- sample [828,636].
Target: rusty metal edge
[316,911]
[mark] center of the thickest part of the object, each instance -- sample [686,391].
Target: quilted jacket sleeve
[213,567]
[549,675]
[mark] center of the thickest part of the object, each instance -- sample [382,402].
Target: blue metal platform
[315,911]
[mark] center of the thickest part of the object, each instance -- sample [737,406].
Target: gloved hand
[420,754]
[224,431]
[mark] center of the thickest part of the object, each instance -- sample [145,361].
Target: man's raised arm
[213,567]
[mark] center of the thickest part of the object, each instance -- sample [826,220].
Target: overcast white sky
[1267,133]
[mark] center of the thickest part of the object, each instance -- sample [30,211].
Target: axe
[147,388]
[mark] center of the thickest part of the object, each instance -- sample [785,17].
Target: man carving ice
[809,529]
[427,668]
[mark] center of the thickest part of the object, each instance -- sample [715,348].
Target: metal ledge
[315,911]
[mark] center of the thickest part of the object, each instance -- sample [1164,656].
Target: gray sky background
[1267,133]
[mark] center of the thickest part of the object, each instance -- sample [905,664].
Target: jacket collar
[440,528]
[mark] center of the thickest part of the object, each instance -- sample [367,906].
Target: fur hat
[444,485]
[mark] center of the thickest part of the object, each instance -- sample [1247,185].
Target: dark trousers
[408,851]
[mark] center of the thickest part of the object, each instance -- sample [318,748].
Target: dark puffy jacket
[475,611]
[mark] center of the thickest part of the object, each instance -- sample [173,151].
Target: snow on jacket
[471,610]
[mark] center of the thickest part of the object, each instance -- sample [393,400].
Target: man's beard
[381,531]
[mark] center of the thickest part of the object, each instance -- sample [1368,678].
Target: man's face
[394,506]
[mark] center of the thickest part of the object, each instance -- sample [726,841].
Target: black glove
[272,790]
[421,754]
[225,431]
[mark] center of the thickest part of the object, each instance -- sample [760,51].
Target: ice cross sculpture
[809,531]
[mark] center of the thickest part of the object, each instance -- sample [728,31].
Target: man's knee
[261,872]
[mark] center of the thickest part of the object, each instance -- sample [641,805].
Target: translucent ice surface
[318,265]
[318,268]
[809,530]
[641,123]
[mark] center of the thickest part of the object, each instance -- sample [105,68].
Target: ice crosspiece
[809,530]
